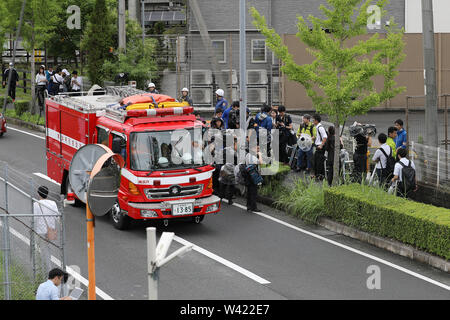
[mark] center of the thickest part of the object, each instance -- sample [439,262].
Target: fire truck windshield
[166,150]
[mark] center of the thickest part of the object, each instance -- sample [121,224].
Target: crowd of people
[317,159]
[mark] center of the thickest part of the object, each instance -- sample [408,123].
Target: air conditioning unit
[256,95]
[226,77]
[201,77]
[201,95]
[257,77]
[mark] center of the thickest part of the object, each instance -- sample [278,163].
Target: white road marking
[223,261]
[28,133]
[57,262]
[43,176]
[390,264]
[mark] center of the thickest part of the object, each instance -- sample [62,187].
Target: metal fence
[26,255]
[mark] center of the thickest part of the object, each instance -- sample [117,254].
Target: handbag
[51,233]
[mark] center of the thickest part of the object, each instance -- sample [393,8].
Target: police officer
[152,88]
[14,81]
[221,102]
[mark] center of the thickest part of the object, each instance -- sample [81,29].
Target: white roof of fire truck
[108,105]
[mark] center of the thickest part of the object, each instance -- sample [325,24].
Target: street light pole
[243,78]
[431,108]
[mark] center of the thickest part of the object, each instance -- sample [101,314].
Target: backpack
[255,177]
[408,182]
[390,163]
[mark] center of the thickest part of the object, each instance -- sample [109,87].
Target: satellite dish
[305,142]
[81,167]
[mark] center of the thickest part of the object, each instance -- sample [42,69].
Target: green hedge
[21,106]
[373,210]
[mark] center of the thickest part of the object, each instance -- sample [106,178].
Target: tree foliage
[99,38]
[340,81]
[138,59]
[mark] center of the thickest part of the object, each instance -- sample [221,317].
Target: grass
[22,285]
[305,201]
[26,116]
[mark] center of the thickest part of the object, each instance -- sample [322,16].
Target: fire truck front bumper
[174,209]
[2,124]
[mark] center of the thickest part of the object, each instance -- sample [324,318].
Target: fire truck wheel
[119,220]
[198,219]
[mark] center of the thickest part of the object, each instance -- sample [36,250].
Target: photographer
[363,141]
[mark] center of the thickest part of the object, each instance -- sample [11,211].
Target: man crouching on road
[49,289]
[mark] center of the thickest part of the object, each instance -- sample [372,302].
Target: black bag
[408,182]
[390,164]
[233,119]
[255,177]
[242,175]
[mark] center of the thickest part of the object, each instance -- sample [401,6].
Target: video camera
[363,129]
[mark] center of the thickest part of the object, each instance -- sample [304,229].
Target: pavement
[237,255]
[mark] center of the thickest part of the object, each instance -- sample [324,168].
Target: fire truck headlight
[212,208]
[149,214]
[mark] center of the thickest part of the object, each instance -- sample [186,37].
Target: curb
[25,124]
[387,244]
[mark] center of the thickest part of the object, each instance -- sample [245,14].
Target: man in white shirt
[319,155]
[398,174]
[76,83]
[381,159]
[49,289]
[44,211]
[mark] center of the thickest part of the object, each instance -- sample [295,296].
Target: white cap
[220,93]
[151,85]
[185,90]
[65,72]
[11,64]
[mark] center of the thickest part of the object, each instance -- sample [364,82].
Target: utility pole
[243,77]
[122,26]
[431,107]
[143,21]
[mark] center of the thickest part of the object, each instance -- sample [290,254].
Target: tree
[40,18]
[340,81]
[138,60]
[99,39]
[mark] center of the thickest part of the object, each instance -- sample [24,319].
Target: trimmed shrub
[21,106]
[272,185]
[373,210]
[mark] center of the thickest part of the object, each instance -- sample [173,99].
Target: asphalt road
[238,255]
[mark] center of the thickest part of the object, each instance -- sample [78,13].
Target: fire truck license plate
[182,209]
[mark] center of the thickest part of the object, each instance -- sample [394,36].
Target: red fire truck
[159,181]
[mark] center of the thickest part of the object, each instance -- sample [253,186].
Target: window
[102,136]
[259,51]
[120,143]
[220,50]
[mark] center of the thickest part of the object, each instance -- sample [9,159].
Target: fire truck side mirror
[117,145]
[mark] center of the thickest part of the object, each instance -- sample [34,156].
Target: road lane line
[390,264]
[57,262]
[43,176]
[223,261]
[28,133]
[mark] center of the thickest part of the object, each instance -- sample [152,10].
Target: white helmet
[187,158]
[163,162]
[151,85]
[185,90]
[220,93]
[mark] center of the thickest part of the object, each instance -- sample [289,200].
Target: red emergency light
[160,112]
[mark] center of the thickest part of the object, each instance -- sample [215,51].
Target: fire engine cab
[164,177]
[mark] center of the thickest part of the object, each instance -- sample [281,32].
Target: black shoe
[257,210]
[230,202]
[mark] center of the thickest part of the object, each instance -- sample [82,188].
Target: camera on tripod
[363,129]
